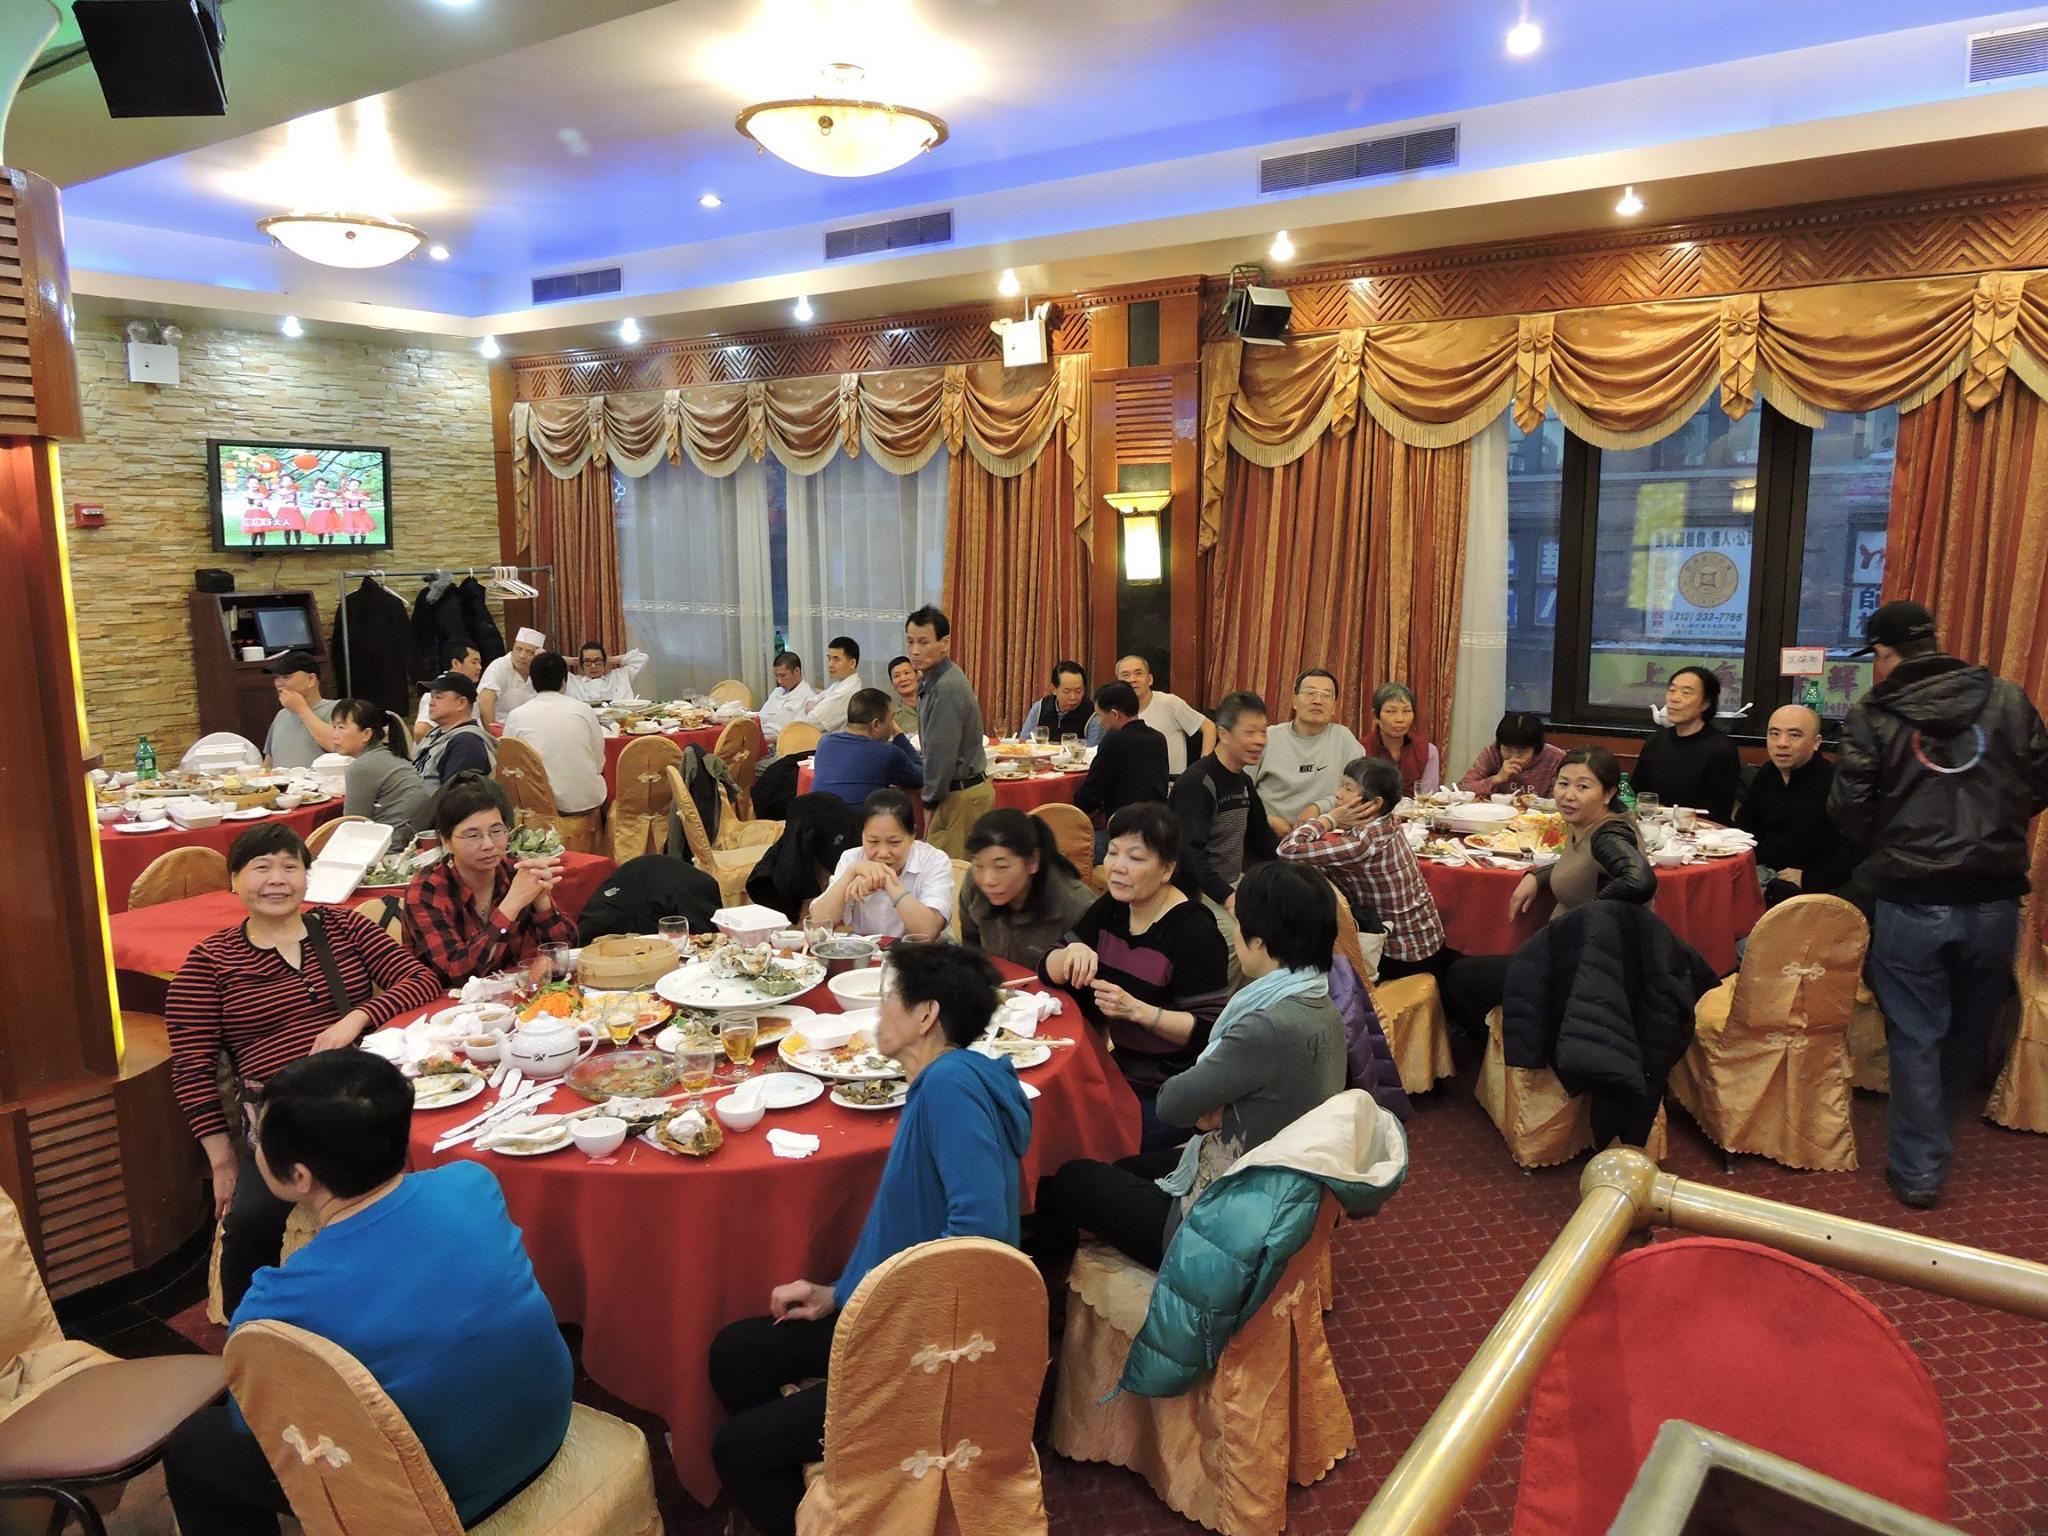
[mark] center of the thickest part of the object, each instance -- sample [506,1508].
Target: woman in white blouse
[892,885]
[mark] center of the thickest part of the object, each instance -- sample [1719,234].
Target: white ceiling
[1084,135]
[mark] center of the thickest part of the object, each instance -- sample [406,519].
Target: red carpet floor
[1419,1286]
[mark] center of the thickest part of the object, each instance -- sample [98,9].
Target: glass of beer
[621,1018]
[737,1032]
[696,1060]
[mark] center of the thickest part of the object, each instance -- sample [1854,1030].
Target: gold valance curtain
[1625,376]
[1002,417]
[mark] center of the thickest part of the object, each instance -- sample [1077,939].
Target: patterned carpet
[1419,1286]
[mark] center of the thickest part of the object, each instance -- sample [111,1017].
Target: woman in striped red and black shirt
[262,992]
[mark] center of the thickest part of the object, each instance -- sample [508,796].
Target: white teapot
[548,1046]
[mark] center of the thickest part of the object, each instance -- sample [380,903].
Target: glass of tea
[696,1060]
[621,1018]
[738,1032]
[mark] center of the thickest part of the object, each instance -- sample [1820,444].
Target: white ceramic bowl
[829,1031]
[486,1049]
[598,1135]
[737,1116]
[106,813]
[1480,816]
[1668,858]
[857,989]
[289,802]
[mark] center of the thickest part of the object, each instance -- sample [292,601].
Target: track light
[1282,248]
[629,330]
[1009,287]
[1630,205]
[489,347]
[803,309]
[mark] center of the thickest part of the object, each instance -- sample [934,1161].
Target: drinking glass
[561,961]
[1648,807]
[621,1018]
[1686,817]
[1043,735]
[1070,747]
[648,1010]
[737,1033]
[677,931]
[696,1060]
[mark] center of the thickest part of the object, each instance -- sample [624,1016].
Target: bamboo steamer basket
[622,961]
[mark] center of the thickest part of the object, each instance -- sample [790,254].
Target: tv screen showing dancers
[278,498]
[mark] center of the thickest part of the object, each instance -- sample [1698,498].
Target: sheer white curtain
[1483,635]
[865,547]
[694,577]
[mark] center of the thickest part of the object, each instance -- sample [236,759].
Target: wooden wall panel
[38,373]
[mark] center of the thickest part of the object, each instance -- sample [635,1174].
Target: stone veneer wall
[144,458]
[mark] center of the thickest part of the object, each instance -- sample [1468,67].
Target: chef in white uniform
[505,685]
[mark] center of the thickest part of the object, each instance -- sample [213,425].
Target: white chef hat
[532,637]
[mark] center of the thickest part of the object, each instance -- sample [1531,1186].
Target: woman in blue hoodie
[954,1170]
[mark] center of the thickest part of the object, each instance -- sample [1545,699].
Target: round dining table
[1017,794]
[125,855]
[1710,904]
[651,1253]
[705,736]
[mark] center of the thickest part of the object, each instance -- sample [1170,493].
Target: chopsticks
[506,1108]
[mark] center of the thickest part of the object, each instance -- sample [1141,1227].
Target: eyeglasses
[1325,695]
[477,839]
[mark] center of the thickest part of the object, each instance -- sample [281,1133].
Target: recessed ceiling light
[710,200]
[458,5]
[489,346]
[438,252]
[291,326]
[1282,248]
[1524,38]
[629,330]
[1630,205]
[803,307]
[1009,287]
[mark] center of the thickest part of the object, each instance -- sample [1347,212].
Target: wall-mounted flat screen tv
[280,496]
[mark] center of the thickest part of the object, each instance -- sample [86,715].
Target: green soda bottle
[1625,792]
[1810,695]
[145,759]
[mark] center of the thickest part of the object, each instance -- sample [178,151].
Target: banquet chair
[741,747]
[300,1227]
[1223,1452]
[936,1368]
[798,739]
[962,873]
[351,1465]
[72,1417]
[180,873]
[733,691]
[730,857]
[323,834]
[1073,832]
[1410,1008]
[525,778]
[2019,1099]
[1768,1069]
[1741,1339]
[387,912]
[1870,1060]
[1541,1123]
[640,802]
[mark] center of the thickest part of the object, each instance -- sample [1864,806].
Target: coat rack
[345,675]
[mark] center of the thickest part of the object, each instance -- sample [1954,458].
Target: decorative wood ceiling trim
[1966,229]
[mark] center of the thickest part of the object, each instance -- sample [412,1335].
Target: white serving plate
[799,1018]
[472,1086]
[696,985]
[1022,1060]
[896,1100]
[817,1066]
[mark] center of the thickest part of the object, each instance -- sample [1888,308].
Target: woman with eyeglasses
[477,911]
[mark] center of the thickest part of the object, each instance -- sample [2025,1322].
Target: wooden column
[86,1149]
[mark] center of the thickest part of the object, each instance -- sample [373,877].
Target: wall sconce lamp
[1138,517]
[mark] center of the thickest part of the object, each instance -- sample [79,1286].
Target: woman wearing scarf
[1276,1053]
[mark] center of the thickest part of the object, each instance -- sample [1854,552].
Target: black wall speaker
[1258,314]
[156,58]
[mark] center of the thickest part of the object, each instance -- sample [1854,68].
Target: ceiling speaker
[1258,314]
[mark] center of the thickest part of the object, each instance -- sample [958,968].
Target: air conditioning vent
[1423,150]
[577,285]
[890,235]
[2008,55]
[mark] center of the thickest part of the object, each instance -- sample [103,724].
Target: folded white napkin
[1023,1013]
[791,1143]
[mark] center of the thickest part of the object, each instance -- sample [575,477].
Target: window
[693,575]
[864,547]
[1535,501]
[1848,502]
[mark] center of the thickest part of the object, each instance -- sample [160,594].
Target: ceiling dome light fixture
[836,134]
[343,239]
[710,200]
[1282,248]
[1630,205]
[629,330]
[803,309]
[1009,287]
[489,347]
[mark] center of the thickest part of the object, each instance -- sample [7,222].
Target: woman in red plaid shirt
[476,911]
[1359,846]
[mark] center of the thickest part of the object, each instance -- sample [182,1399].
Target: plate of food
[440,1090]
[773,1023]
[623,1074]
[639,1113]
[1445,850]
[534,841]
[735,978]
[1022,1054]
[874,1093]
[527,1136]
[252,813]
[854,1062]
[689,1134]
[557,999]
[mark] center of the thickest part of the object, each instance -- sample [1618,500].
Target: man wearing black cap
[300,730]
[458,741]
[1942,766]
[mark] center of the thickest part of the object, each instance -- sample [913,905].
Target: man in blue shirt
[870,754]
[421,1277]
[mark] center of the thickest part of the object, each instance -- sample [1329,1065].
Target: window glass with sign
[1535,493]
[1674,532]
[1848,502]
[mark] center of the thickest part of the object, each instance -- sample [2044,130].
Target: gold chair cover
[742,746]
[936,1368]
[352,1466]
[34,1354]
[1072,832]
[299,1228]
[1222,1454]
[798,736]
[1870,1064]
[1411,1011]
[733,691]
[731,861]
[1768,1070]
[1541,1123]
[180,873]
[640,799]
[525,778]
[2019,1100]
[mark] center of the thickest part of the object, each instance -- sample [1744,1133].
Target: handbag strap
[323,951]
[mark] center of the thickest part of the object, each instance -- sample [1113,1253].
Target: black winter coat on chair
[1604,996]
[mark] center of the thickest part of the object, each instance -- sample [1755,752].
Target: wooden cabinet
[237,695]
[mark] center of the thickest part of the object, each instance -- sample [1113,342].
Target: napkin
[1023,1013]
[791,1143]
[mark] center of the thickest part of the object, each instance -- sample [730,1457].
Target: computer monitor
[283,629]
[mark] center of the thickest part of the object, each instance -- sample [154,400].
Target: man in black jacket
[1799,851]
[1942,766]
[1130,763]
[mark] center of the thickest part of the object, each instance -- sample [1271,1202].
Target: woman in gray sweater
[1025,896]
[1276,1053]
[381,782]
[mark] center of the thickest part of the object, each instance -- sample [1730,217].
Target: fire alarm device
[88,514]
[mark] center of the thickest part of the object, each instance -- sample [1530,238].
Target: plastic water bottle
[145,759]
[1810,695]
[1625,792]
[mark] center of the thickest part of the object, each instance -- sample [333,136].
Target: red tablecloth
[1017,794]
[1709,905]
[154,941]
[651,1254]
[125,855]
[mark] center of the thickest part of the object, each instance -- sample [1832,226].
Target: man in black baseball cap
[300,731]
[458,740]
[1942,766]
